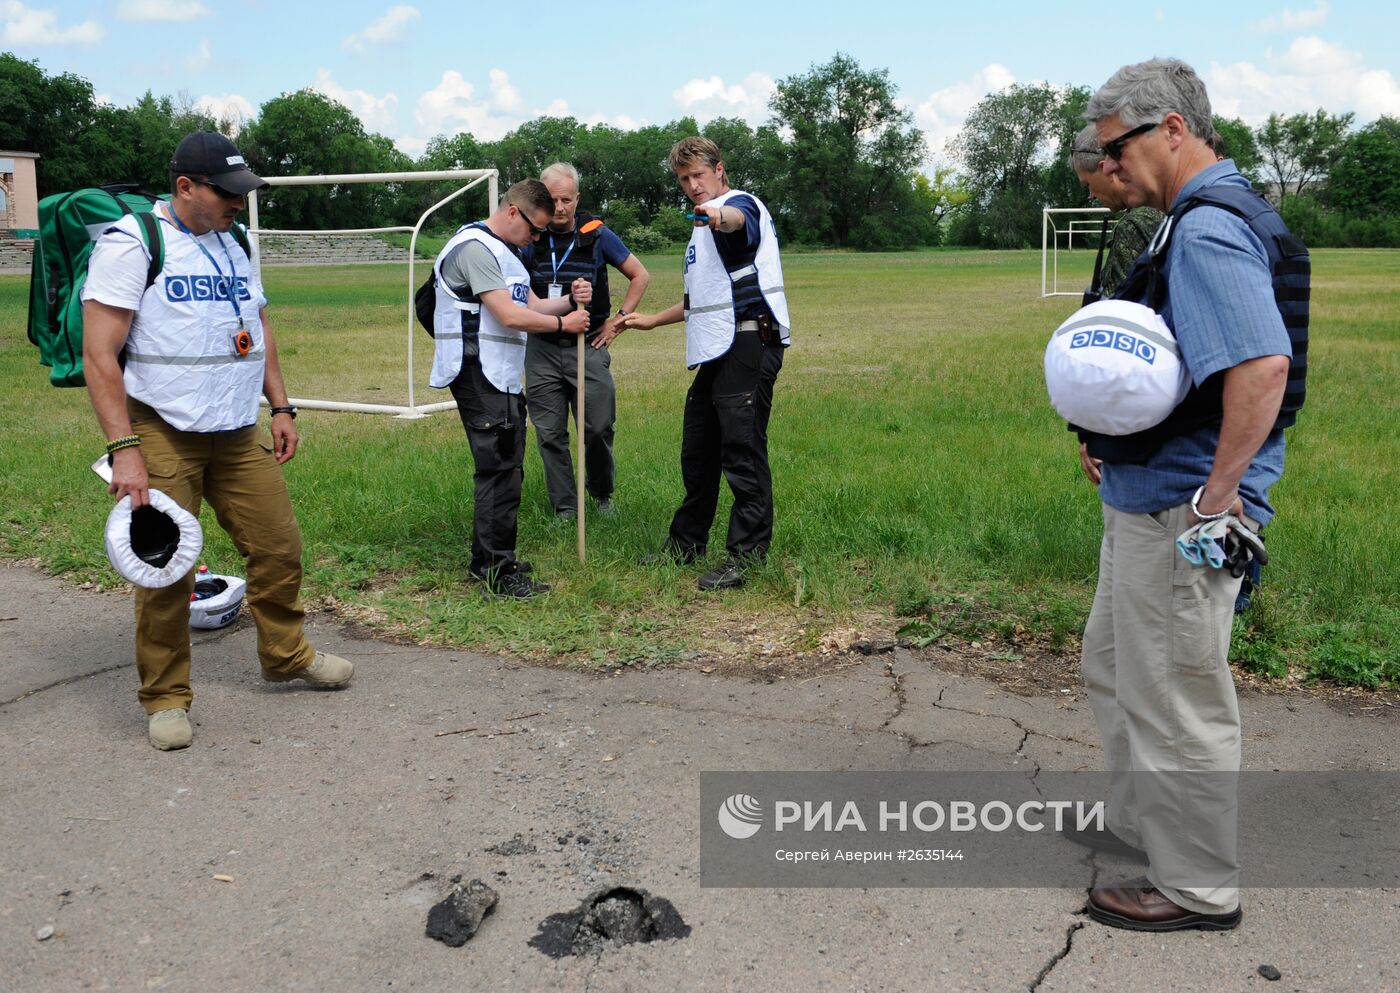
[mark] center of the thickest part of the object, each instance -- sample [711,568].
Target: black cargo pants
[726,431]
[495,426]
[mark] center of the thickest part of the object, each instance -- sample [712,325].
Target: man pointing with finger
[736,327]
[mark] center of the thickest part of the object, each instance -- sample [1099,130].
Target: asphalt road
[340,818]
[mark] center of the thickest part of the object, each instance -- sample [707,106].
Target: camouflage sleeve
[1131,235]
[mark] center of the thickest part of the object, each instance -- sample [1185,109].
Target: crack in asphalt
[1071,931]
[64,682]
[1058,957]
[901,701]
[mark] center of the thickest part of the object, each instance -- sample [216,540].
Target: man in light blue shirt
[1156,646]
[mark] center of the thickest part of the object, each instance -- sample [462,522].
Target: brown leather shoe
[1137,905]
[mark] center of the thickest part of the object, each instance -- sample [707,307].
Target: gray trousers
[1155,663]
[551,386]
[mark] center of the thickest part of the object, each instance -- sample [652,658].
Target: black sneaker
[514,586]
[511,581]
[728,576]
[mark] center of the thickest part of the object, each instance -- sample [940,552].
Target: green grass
[921,478]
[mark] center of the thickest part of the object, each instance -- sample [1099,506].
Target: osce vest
[714,294]
[576,256]
[460,321]
[180,357]
[1291,270]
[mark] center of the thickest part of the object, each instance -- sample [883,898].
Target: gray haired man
[1232,284]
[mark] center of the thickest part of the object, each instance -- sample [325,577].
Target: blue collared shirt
[1221,308]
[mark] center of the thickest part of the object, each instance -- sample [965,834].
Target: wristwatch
[291,411]
[621,312]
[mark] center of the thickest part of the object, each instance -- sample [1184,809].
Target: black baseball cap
[208,153]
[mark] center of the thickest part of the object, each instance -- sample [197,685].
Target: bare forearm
[1252,395]
[106,331]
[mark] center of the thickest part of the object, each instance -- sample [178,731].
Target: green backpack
[69,225]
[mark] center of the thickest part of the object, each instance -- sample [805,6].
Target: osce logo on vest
[689,257]
[1121,340]
[184,289]
[520,293]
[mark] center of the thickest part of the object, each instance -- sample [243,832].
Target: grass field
[921,478]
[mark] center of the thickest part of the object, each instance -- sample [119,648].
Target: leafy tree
[941,196]
[1005,147]
[852,154]
[1240,145]
[1059,184]
[308,134]
[149,130]
[1299,150]
[525,152]
[444,152]
[1366,178]
[58,117]
[754,160]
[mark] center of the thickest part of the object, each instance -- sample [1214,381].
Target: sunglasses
[225,194]
[534,231]
[1114,149]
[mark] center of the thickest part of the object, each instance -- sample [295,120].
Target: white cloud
[228,107]
[27,26]
[452,107]
[504,96]
[1293,20]
[375,113]
[161,10]
[706,99]
[1311,73]
[942,113]
[389,28]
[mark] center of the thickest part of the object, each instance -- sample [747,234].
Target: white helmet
[216,601]
[154,545]
[1114,367]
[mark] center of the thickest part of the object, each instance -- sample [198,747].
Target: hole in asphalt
[609,918]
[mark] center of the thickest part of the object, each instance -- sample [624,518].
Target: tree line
[840,162]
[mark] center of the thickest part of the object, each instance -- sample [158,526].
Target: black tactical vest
[1147,284]
[577,257]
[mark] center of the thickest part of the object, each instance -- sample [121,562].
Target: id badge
[556,290]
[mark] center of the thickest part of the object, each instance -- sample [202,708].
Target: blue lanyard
[556,265]
[229,281]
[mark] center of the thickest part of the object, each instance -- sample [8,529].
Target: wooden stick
[578,466]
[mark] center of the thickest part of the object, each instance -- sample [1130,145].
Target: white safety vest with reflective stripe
[500,349]
[180,354]
[709,317]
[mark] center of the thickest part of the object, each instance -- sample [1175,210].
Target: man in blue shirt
[1156,646]
[573,248]
[736,327]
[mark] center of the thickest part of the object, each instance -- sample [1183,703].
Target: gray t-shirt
[472,267]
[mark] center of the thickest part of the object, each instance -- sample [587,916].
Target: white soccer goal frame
[474,178]
[1051,232]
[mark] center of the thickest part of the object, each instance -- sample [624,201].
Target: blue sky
[413,70]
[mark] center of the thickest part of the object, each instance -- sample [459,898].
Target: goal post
[1058,227]
[472,177]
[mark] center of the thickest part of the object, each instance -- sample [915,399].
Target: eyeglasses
[1114,149]
[219,190]
[534,231]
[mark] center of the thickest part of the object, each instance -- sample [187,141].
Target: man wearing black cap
[175,369]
